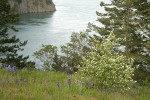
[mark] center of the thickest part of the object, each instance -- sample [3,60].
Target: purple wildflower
[90,85]
[10,68]
[13,69]
[132,93]
[25,81]
[58,84]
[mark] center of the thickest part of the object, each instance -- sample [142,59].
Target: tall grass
[36,85]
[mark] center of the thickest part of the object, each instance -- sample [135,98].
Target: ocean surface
[56,27]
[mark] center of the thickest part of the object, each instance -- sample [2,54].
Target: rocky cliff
[31,6]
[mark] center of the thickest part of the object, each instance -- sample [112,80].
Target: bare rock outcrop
[31,6]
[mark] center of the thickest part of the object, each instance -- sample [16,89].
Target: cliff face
[31,6]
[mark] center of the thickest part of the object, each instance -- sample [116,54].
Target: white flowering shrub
[106,67]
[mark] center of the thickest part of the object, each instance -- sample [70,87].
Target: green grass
[36,85]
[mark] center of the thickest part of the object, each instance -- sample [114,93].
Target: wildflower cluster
[10,68]
[106,67]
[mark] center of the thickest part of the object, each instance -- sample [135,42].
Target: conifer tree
[130,21]
[143,28]
[10,45]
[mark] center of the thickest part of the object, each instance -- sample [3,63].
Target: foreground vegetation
[37,85]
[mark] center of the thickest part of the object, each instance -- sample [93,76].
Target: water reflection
[31,16]
[35,18]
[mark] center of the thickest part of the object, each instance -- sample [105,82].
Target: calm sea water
[56,27]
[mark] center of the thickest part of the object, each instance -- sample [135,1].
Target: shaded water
[56,27]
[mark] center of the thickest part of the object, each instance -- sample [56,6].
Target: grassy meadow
[37,85]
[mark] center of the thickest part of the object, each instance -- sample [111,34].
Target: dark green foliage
[143,28]
[10,45]
[72,54]
[76,49]
[142,75]
[49,2]
[19,1]
[130,21]
[49,58]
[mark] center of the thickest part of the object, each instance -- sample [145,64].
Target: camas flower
[10,68]
[58,84]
